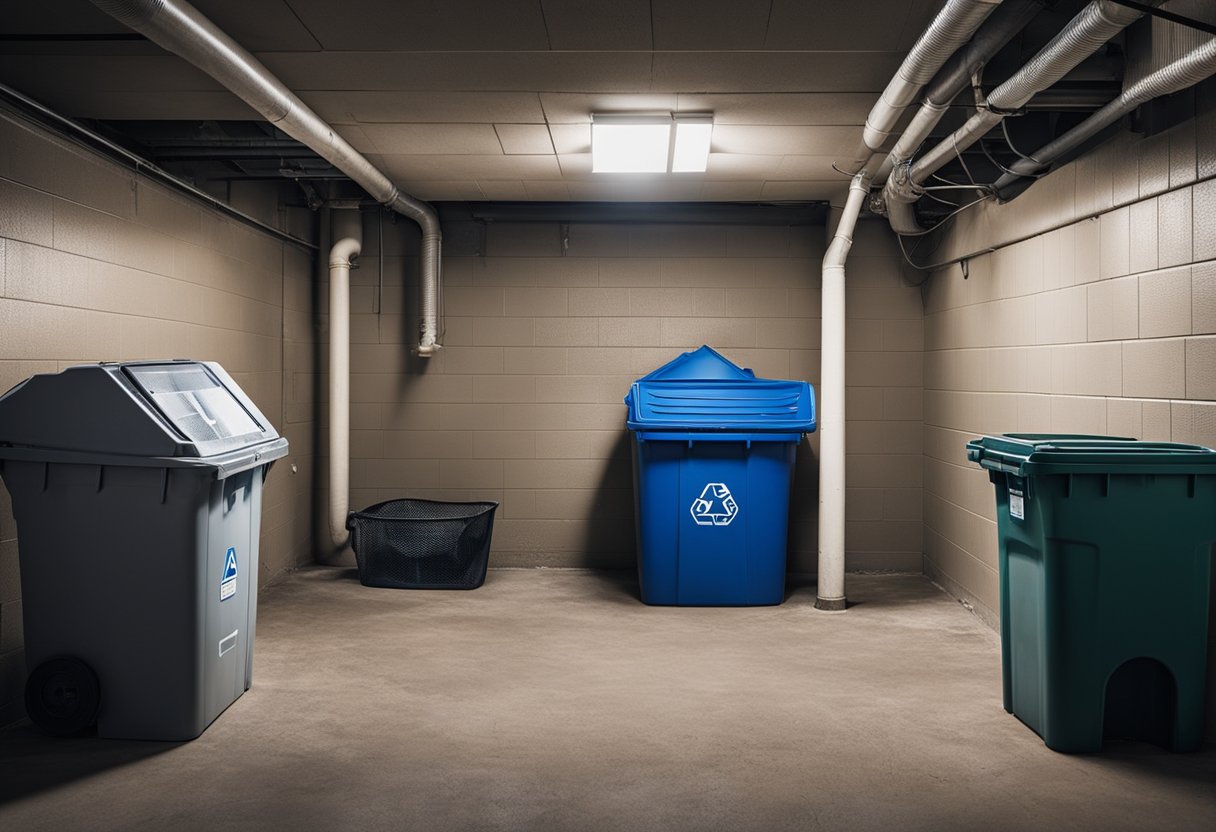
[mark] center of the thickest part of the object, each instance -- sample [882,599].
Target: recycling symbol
[715,507]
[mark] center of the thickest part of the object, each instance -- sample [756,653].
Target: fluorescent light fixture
[691,153]
[647,143]
[630,144]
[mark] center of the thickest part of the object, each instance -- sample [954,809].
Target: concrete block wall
[97,263]
[524,404]
[1102,319]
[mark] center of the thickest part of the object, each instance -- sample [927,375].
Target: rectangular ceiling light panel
[630,144]
[691,153]
[644,143]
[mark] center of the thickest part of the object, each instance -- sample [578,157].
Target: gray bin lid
[174,413]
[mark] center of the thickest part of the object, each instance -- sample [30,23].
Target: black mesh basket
[422,544]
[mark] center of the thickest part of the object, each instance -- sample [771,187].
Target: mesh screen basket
[422,544]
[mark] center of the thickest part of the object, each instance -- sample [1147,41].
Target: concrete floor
[554,700]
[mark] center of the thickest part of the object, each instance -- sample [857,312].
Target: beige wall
[97,263]
[1106,324]
[524,404]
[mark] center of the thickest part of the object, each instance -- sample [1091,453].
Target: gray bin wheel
[62,696]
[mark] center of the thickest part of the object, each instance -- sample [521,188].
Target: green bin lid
[1035,454]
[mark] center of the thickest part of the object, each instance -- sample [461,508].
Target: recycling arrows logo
[715,507]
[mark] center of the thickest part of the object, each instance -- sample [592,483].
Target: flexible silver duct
[183,30]
[956,76]
[950,29]
[1097,23]
[1186,71]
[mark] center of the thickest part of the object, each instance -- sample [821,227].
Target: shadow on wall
[608,540]
[33,762]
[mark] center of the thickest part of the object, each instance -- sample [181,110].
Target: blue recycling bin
[713,461]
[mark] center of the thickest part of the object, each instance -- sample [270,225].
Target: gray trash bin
[137,491]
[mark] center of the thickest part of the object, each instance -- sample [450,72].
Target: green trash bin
[1105,567]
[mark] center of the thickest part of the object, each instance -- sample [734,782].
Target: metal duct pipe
[348,243]
[183,30]
[955,76]
[953,26]
[950,29]
[1097,23]
[830,586]
[1186,71]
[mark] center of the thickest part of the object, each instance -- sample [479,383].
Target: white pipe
[180,28]
[830,589]
[348,243]
[950,29]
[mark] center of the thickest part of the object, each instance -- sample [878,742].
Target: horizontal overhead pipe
[954,24]
[956,75]
[183,30]
[1093,26]
[1190,69]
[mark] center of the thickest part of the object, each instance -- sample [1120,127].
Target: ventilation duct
[183,30]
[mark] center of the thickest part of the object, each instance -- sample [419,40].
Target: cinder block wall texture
[97,263]
[1102,320]
[548,324]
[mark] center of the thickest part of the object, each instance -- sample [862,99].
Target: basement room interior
[640,415]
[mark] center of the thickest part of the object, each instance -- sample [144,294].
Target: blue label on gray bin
[228,581]
[715,507]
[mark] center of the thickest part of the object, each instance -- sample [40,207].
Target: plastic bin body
[143,566]
[131,584]
[681,562]
[1105,549]
[713,458]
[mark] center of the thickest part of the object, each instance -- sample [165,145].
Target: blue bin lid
[702,363]
[702,392]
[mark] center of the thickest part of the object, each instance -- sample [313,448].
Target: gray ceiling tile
[396,106]
[842,26]
[432,139]
[549,191]
[575,165]
[446,190]
[77,17]
[725,166]
[709,24]
[576,108]
[502,189]
[783,140]
[732,191]
[501,71]
[571,138]
[268,25]
[596,24]
[358,139]
[370,25]
[524,139]
[807,167]
[636,190]
[469,167]
[781,108]
[775,71]
[804,190]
